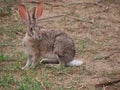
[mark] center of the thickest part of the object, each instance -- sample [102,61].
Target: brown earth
[95,28]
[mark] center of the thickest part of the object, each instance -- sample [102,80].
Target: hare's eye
[31,29]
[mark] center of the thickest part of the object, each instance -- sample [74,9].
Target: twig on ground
[76,18]
[107,83]
[93,3]
[43,86]
[64,4]
[57,16]
[10,60]
[10,44]
[34,2]
[111,54]
[55,5]
[52,17]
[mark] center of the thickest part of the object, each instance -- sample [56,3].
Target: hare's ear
[38,11]
[24,13]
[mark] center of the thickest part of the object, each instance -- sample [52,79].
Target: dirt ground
[95,28]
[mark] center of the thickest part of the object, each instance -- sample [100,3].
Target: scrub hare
[52,46]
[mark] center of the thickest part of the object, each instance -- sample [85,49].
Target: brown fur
[53,45]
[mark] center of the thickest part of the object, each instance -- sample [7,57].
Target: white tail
[75,63]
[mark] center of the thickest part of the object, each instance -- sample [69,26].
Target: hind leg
[62,62]
[64,50]
[56,63]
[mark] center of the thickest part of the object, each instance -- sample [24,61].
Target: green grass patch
[27,84]
[4,57]
[6,80]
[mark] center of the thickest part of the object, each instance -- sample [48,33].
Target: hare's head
[33,30]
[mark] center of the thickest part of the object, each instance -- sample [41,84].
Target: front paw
[25,68]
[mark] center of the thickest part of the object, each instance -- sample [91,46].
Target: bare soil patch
[95,29]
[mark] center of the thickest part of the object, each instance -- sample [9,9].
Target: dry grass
[95,30]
